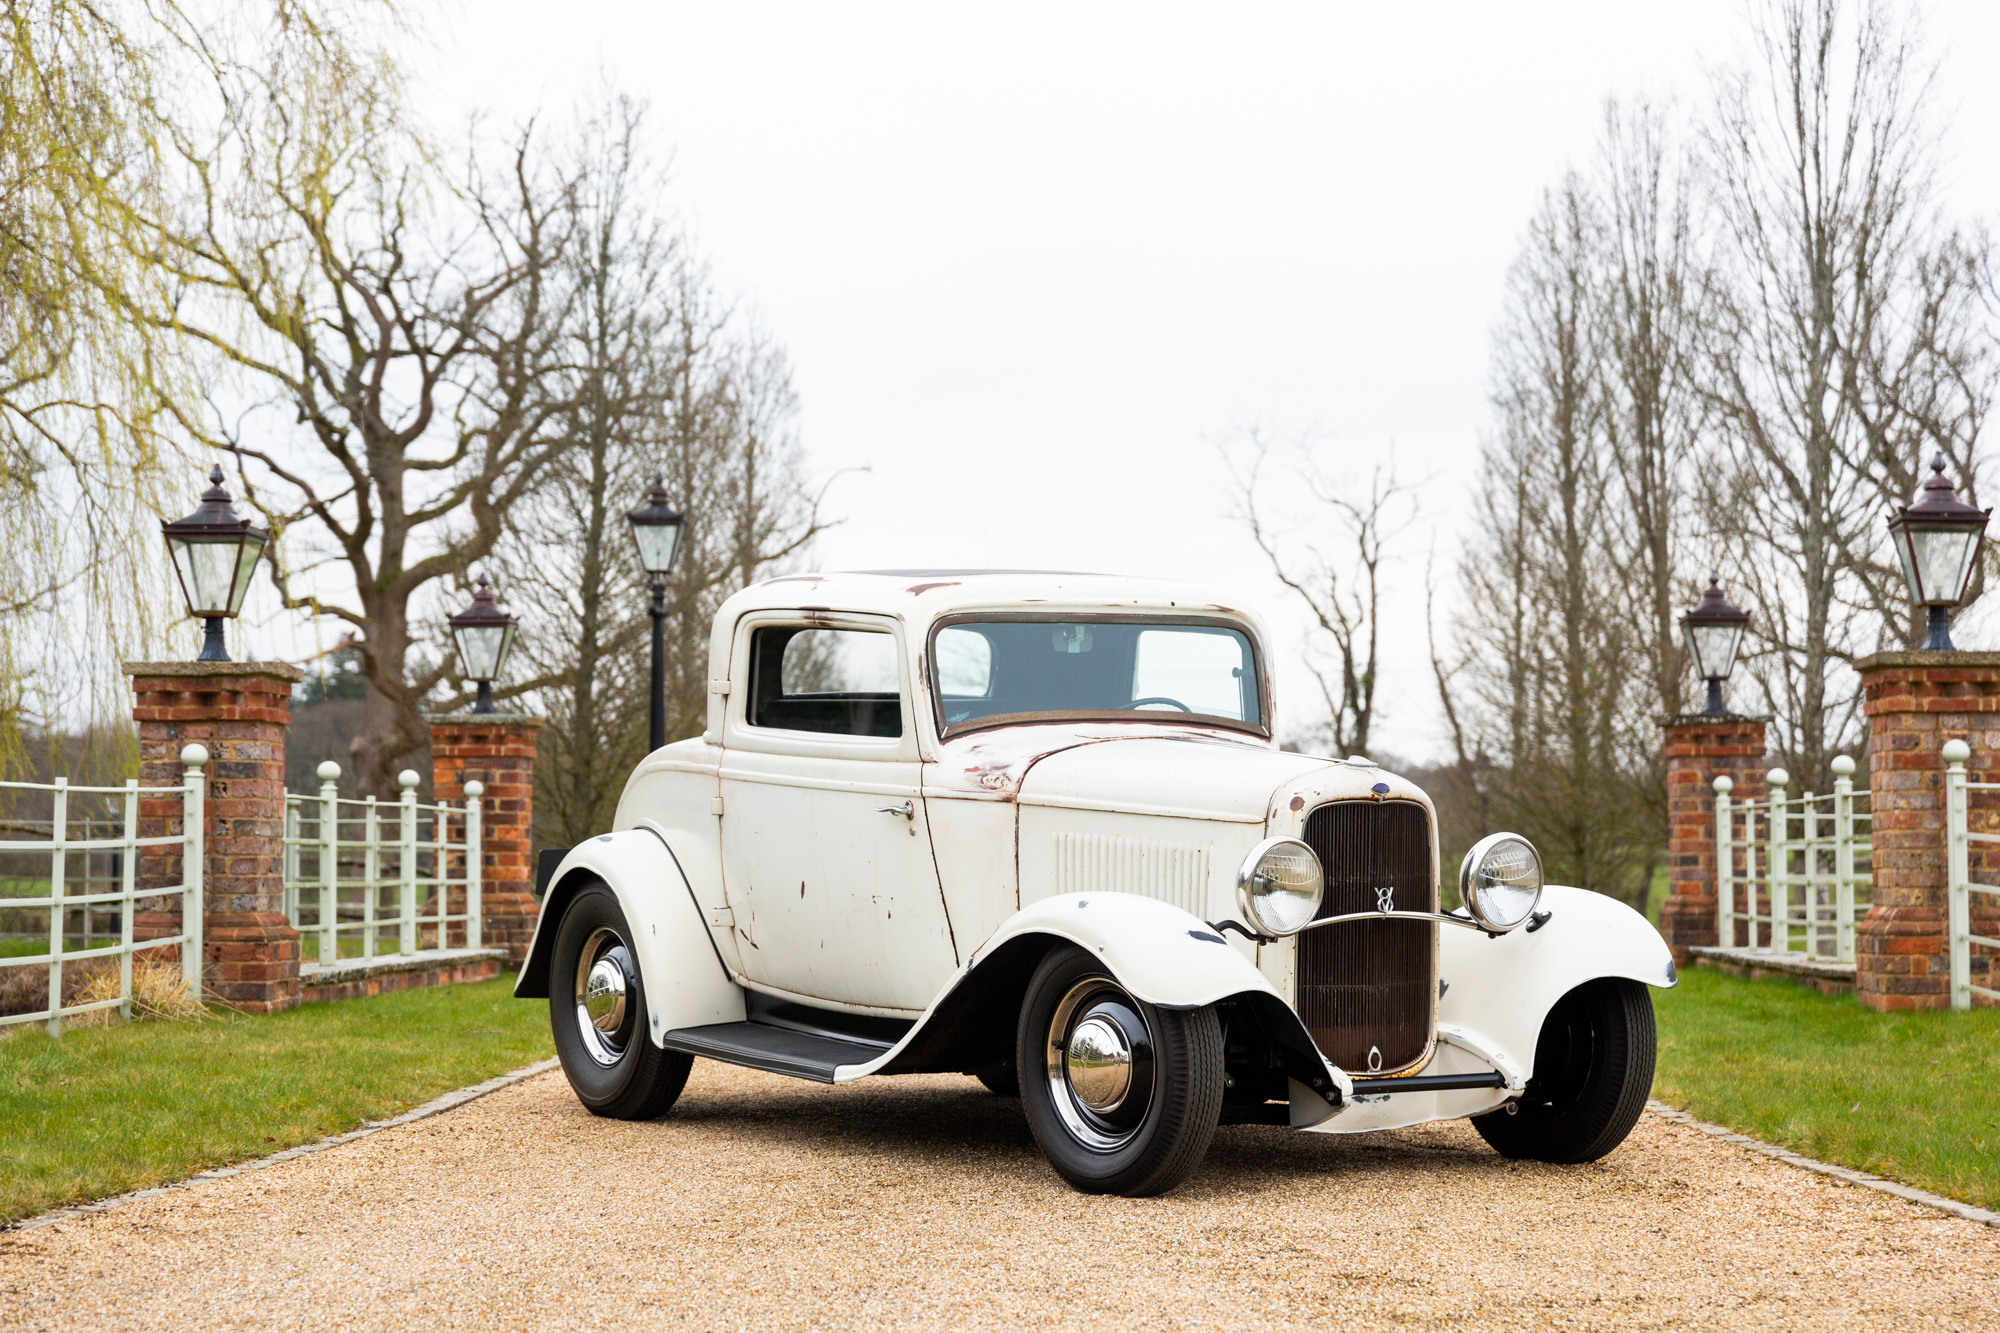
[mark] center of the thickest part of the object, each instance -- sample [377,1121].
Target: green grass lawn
[1913,1096]
[111,1109]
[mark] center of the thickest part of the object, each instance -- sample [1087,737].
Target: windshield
[1022,670]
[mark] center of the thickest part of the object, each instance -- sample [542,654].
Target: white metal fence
[106,870]
[365,879]
[1959,886]
[1793,872]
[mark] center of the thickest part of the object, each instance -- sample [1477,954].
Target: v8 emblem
[1385,900]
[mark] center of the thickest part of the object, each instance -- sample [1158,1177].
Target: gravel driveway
[766,1203]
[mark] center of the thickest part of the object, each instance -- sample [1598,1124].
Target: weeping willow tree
[81,450]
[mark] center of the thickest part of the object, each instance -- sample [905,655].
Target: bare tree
[1842,345]
[1335,570]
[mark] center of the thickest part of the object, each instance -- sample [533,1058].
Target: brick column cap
[485,720]
[282,671]
[1916,658]
[1713,719]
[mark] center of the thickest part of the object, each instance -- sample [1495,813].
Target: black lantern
[483,633]
[1713,630]
[656,528]
[1937,539]
[215,555]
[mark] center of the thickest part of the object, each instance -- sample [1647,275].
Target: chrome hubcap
[603,986]
[1100,1064]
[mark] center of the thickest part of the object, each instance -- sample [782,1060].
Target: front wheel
[597,1010]
[1593,1073]
[1123,1097]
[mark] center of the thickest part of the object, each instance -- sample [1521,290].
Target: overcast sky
[1030,261]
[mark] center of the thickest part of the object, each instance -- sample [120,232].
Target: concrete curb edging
[1845,1174]
[435,1106]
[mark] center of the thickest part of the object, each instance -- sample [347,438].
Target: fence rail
[59,903]
[1804,881]
[1959,885]
[354,876]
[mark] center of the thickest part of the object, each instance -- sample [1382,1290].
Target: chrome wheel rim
[1100,1064]
[604,992]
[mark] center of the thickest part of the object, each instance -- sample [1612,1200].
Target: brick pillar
[497,749]
[1915,702]
[239,711]
[1699,748]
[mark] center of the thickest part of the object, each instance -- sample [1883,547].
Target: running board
[775,1050]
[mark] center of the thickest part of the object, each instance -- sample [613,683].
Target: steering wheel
[1159,699]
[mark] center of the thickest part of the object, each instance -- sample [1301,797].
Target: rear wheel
[597,1011]
[1123,1097]
[1593,1073]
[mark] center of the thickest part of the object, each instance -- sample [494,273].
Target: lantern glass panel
[658,543]
[1943,563]
[213,573]
[1713,648]
[482,649]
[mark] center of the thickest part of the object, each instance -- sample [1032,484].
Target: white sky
[1030,260]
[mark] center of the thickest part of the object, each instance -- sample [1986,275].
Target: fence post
[371,873]
[1843,858]
[1725,864]
[58,865]
[291,871]
[1958,904]
[128,883]
[474,932]
[1777,861]
[194,857]
[329,863]
[407,780]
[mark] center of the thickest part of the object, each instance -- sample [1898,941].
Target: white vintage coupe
[1034,827]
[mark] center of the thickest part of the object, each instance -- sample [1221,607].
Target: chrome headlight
[1279,886]
[1500,880]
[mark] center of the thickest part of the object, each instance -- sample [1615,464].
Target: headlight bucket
[1500,881]
[1279,886]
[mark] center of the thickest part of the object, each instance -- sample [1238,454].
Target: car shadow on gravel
[933,1126]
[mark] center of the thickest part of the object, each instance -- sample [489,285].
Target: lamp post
[215,554]
[1712,629]
[656,530]
[1937,540]
[484,634]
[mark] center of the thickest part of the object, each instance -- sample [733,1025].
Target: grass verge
[1912,1096]
[111,1109]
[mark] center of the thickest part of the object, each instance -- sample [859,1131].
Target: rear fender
[684,979]
[1161,954]
[1502,989]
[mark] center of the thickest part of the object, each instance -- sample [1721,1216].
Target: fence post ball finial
[1956,752]
[329,771]
[1722,784]
[193,756]
[1777,777]
[474,790]
[1843,766]
[407,779]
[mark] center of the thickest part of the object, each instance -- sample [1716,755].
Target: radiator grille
[1369,984]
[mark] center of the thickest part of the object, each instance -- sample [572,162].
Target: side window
[841,682]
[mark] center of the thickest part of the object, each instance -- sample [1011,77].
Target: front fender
[1161,954]
[685,982]
[1503,988]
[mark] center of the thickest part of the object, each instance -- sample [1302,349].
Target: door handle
[907,810]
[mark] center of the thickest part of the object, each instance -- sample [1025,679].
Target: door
[825,850]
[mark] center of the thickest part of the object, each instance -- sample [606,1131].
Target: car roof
[920,596]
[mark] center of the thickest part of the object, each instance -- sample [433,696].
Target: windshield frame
[1260,726]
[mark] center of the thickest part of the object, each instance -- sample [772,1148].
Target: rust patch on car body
[916,588]
[1298,803]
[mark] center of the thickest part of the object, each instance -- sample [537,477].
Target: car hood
[1192,775]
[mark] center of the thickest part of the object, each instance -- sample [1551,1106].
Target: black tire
[1000,1080]
[1174,1062]
[1593,1073]
[618,1072]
